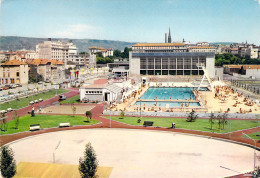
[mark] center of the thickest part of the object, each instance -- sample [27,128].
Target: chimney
[165,37]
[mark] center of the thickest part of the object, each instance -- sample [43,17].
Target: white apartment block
[252,52]
[202,49]
[32,55]
[105,52]
[56,50]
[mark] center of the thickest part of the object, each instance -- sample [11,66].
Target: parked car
[9,109]
[18,85]
[32,102]
[62,97]
[5,88]
[3,111]
[36,101]
[40,100]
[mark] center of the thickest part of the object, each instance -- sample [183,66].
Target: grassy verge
[17,104]
[255,135]
[74,99]
[200,124]
[46,121]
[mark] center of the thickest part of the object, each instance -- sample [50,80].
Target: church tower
[169,36]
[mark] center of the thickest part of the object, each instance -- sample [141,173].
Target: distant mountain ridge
[15,43]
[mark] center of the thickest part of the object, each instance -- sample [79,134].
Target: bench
[148,123]
[35,127]
[65,124]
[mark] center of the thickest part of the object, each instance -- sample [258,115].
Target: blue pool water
[171,104]
[181,93]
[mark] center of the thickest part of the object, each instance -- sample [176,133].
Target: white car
[3,111]
[9,109]
[40,100]
[36,101]
[32,102]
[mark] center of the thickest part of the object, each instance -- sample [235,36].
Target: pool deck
[156,100]
[226,102]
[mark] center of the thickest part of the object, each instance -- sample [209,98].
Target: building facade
[50,70]
[56,50]
[169,59]
[105,52]
[14,72]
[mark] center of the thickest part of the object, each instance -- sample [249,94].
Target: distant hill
[222,43]
[18,43]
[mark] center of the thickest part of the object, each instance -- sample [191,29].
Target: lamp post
[110,117]
[55,150]
[140,108]
[254,148]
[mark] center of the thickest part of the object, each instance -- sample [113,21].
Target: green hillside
[17,43]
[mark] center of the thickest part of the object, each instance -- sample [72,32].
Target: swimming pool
[167,93]
[169,103]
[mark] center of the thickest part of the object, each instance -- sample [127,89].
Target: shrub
[122,115]
[192,117]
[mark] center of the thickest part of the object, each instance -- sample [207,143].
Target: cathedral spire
[169,36]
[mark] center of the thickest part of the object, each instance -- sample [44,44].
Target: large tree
[7,162]
[88,164]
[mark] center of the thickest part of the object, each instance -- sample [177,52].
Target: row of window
[171,72]
[93,92]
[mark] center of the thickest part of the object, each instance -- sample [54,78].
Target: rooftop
[158,44]
[13,62]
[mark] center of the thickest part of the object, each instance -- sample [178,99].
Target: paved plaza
[66,109]
[140,153]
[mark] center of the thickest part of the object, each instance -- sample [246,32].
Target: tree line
[227,58]
[110,59]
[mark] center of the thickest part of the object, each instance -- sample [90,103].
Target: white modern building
[169,59]
[101,92]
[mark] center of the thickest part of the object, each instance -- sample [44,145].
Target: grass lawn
[255,135]
[200,124]
[46,121]
[15,104]
[74,99]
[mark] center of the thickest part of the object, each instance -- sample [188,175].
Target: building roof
[101,81]
[245,67]
[95,86]
[201,47]
[13,62]
[94,47]
[114,88]
[234,49]
[158,44]
[43,62]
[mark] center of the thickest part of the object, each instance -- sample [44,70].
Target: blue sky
[133,20]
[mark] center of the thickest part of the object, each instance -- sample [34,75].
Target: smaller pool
[170,104]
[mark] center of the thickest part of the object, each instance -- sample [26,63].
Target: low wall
[181,114]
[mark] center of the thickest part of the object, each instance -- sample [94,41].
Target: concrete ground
[140,153]
[66,109]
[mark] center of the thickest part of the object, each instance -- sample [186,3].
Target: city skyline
[133,21]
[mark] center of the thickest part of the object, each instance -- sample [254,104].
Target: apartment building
[50,70]
[14,72]
[56,50]
[105,52]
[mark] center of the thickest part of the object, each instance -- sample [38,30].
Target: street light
[55,150]
[140,108]
[254,148]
